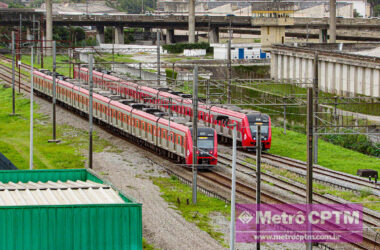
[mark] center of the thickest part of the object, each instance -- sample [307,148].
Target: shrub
[180,47]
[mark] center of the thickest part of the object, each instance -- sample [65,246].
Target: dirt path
[130,171]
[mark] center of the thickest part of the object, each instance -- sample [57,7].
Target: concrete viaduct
[212,24]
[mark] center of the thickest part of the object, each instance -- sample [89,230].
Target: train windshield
[205,142]
[264,129]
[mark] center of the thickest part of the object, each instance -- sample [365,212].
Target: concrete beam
[213,35]
[169,36]
[49,26]
[119,35]
[99,34]
[323,35]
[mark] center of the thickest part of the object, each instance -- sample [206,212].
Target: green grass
[293,145]
[14,138]
[172,190]
[365,196]
[62,63]
[119,58]
[147,246]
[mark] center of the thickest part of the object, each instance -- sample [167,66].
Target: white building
[239,51]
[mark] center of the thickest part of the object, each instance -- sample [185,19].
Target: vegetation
[254,71]
[63,66]
[14,137]
[132,6]
[178,195]
[365,196]
[293,145]
[179,47]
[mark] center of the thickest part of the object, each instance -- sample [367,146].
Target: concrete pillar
[273,66]
[272,35]
[169,36]
[191,21]
[213,35]
[29,35]
[49,26]
[332,21]
[323,35]
[99,34]
[119,34]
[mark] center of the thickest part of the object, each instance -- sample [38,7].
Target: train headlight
[245,136]
[188,152]
[211,152]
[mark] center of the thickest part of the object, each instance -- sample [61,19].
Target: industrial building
[239,51]
[65,209]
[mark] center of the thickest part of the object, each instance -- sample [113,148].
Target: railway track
[244,189]
[301,166]
[298,189]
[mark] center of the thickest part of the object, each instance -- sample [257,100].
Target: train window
[178,140]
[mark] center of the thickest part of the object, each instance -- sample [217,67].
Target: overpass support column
[99,34]
[271,35]
[332,21]
[323,35]
[169,36]
[119,35]
[213,35]
[49,27]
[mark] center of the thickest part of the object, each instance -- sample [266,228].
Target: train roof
[141,113]
[188,101]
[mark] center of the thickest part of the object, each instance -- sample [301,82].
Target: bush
[358,143]
[179,47]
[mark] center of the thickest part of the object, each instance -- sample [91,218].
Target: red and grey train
[215,117]
[166,137]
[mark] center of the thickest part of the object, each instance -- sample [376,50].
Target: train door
[171,141]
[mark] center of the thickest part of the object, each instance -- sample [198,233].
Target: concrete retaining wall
[336,74]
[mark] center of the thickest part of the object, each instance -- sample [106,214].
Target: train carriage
[167,137]
[211,116]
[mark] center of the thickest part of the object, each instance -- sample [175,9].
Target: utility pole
[309,169]
[315,120]
[332,21]
[13,74]
[258,176]
[229,66]
[90,66]
[233,189]
[191,21]
[54,94]
[31,112]
[195,132]
[158,57]
[20,35]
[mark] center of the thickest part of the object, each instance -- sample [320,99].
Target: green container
[90,226]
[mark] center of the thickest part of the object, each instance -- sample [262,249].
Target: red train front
[207,150]
[250,128]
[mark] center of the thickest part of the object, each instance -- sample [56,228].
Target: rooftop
[57,193]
